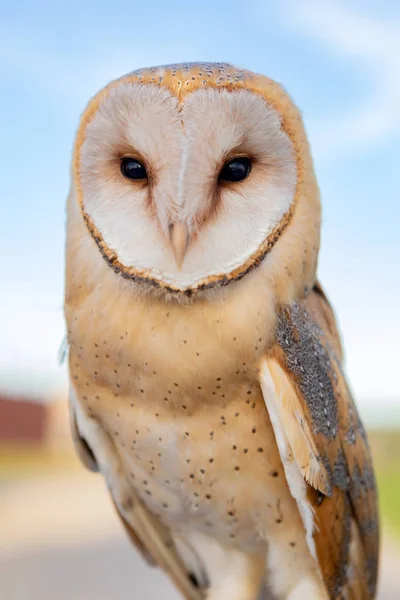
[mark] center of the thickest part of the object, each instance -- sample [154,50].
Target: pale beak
[179,236]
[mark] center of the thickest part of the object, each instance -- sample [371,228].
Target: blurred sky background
[338,60]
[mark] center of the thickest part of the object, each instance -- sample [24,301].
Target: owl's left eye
[132,168]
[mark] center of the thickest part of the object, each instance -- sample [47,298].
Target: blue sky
[339,61]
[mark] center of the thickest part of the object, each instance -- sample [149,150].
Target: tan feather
[297,429]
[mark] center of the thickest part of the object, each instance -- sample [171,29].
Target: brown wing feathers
[309,352]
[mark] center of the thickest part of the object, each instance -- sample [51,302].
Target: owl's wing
[151,538]
[319,433]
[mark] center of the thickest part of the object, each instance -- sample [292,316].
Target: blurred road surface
[60,540]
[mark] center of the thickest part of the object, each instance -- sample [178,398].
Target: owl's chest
[177,390]
[211,466]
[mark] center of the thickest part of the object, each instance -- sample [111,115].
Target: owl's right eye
[132,168]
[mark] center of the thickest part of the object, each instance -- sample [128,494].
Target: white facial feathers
[183,148]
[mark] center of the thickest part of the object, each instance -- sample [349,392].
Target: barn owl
[205,364]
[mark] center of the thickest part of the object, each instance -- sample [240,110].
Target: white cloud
[373,46]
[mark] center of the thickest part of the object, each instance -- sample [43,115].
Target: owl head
[188,177]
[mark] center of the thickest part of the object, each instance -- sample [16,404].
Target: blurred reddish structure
[30,421]
[22,420]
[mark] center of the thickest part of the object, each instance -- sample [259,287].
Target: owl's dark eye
[236,169]
[132,168]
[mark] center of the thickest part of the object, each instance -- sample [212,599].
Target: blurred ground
[60,540]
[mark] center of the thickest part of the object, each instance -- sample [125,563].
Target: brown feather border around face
[182,80]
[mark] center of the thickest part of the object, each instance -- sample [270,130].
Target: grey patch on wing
[362,488]
[300,339]
[369,526]
[362,481]
[351,436]
[340,474]
[372,564]
[357,484]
